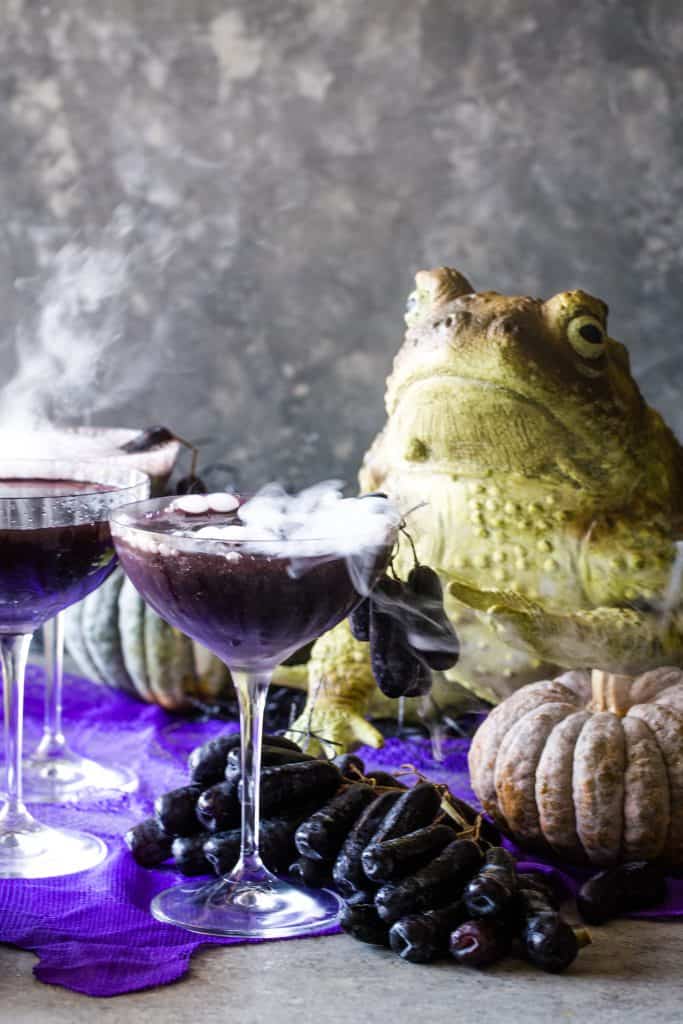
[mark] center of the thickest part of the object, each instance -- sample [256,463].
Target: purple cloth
[93,932]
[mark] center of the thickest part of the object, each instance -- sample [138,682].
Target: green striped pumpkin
[117,639]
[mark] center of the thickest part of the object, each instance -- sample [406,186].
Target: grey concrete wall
[259,180]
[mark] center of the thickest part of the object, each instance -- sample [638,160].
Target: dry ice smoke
[320,524]
[316,525]
[74,360]
[59,443]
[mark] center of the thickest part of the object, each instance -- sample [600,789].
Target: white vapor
[74,359]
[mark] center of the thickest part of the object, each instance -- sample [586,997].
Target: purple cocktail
[55,548]
[253,581]
[53,772]
[251,610]
[36,581]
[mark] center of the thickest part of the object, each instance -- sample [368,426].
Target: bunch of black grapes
[418,869]
[428,887]
[198,825]
[419,881]
[409,632]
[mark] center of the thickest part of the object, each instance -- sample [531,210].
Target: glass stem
[13,655]
[53,742]
[251,688]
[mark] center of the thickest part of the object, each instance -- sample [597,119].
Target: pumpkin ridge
[486,741]
[75,641]
[646,689]
[578,681]
[646,793]
[161,645]
[666,724]
[515,771]
[131,624]
[554,787]
[182,667]
[598,788]
[488,738]
[649,685]
[671,697]
[103,642]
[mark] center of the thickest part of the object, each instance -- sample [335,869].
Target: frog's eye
[587,336]
[412,302]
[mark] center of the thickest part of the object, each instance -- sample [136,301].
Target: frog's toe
[331,731]
[301,732]
[360,733]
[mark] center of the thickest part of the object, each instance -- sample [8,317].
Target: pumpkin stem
[611,692]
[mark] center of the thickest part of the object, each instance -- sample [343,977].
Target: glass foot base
[68,777]
[268,909]
[42,852]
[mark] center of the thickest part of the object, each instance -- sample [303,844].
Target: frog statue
[544,489]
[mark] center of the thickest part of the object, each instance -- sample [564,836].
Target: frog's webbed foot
[616,639]
[340,685]
[332,729]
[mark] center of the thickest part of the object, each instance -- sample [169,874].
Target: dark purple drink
[44,568]
[247,608]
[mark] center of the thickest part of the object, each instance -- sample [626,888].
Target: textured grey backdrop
[258,181]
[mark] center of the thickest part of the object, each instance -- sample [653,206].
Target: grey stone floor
[632,972]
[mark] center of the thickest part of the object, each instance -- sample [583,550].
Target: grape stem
[466,831]
[410,540]
[402,528]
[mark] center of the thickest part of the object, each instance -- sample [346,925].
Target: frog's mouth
[474,426]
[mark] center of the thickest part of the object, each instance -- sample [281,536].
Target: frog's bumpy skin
[550,494]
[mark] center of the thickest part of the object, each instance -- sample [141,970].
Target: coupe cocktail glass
[253,602]
[55,548]
[53,772]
